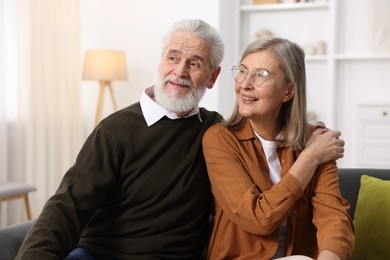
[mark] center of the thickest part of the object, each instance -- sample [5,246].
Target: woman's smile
[249,99]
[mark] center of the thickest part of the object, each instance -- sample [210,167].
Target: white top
[275,170]
[270,151]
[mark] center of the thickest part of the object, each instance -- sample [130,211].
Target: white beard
[174,103]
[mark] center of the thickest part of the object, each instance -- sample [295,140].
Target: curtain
[10,136]
[48,79]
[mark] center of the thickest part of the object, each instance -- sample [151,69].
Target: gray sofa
[350,183]
[11,237]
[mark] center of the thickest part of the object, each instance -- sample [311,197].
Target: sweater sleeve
[334,226]
[255,211]
[83,188]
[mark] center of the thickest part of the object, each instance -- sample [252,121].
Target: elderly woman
[274,176]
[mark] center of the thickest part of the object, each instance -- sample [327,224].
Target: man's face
[185,72]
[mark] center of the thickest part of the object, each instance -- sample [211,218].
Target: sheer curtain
[10,131]
[46,106]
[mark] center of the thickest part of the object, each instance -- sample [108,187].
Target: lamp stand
[99,110]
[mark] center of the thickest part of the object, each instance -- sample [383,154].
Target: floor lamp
[104,66]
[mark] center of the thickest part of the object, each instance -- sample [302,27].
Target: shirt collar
[153,112]
[247,132]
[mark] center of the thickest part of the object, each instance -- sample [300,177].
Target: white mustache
[177,80]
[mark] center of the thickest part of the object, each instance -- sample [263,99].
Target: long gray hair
[204,31]
[292,117]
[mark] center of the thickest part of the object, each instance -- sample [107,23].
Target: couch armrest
[11,238]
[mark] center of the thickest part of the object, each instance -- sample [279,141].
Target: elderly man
[139,187]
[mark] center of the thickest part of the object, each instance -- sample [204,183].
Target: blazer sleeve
[330,213]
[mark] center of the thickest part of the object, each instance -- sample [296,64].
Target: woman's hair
[292,119]
[202,30]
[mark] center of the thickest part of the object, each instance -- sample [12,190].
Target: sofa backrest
[350,183]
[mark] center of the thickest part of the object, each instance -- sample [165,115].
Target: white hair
[202,30]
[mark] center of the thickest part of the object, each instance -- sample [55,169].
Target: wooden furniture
[16,190]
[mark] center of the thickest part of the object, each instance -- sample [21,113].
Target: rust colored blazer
[249,208]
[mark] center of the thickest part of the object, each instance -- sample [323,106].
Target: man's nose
[181,69]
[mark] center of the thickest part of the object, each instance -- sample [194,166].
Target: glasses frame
[234,70]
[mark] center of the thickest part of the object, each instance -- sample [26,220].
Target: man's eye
[195,65]
[172,58]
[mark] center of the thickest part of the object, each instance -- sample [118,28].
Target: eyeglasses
[257,77]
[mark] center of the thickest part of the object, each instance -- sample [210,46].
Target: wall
[137,27]
[363,75]
[353,72]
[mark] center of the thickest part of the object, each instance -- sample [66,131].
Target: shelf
[354,41]
[341,57]
[347,57]
[284,6]
[316,57]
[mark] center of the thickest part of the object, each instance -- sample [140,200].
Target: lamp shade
[104,65]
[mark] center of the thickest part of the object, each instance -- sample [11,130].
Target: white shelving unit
[305,23]
[353,70]
[374,135]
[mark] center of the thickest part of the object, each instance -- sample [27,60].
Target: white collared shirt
[153,111]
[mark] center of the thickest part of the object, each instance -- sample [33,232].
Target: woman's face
[262,103]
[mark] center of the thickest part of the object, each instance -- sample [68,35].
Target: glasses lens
[259,77]
[239,74]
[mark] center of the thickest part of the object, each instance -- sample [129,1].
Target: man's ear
[290,92]
[214,76]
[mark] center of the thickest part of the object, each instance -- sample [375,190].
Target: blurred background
[48,107]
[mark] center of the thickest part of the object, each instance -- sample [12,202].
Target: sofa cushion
[372,225]
[350,183]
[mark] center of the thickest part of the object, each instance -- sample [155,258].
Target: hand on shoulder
[325,145]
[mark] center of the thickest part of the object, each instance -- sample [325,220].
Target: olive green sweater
[134,192]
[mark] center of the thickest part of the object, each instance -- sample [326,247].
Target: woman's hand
[325,145]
